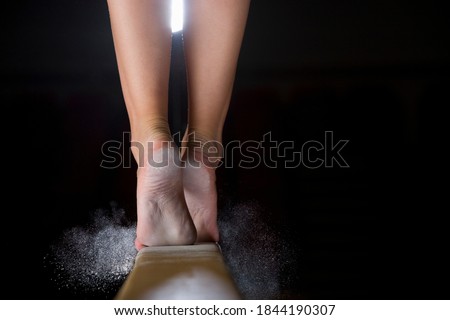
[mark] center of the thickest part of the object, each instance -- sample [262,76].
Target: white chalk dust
[93,260]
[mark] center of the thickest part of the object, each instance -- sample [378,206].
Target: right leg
[213,34]
[142,40]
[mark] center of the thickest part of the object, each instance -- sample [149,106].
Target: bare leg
[213,34]
[142,40]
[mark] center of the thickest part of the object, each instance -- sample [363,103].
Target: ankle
[151,129]
[200,148]
[148,137]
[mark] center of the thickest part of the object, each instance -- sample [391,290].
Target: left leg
[142,39]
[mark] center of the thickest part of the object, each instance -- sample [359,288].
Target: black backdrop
[373,72]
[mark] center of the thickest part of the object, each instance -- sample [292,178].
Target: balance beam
[195,272]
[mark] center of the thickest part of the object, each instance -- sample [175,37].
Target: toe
[138,245]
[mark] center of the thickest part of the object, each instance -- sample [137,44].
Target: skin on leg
[142,41]
[213,33]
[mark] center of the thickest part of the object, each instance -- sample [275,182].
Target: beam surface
[179,273]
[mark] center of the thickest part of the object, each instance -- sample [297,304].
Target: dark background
[373,72]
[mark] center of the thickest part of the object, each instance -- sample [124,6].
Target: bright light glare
[177,15]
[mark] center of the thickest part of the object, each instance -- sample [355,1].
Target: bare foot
[199,181]
[162,215]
